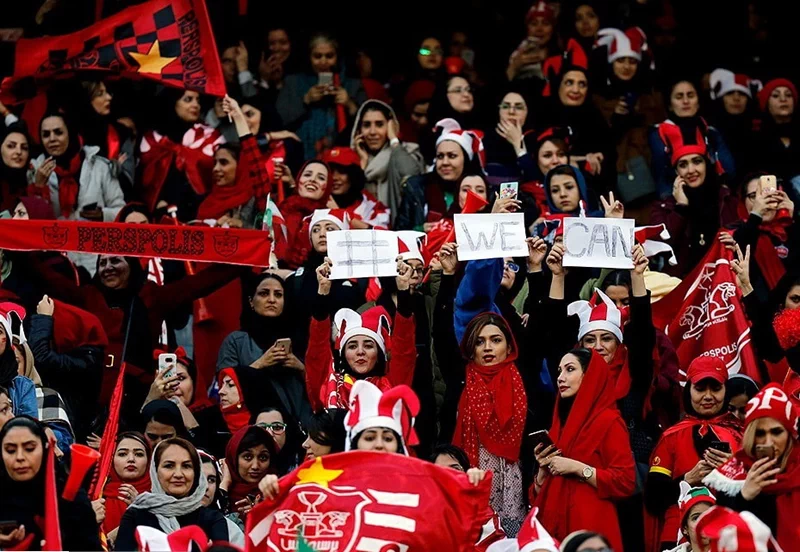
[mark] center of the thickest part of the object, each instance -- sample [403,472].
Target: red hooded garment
[236,416]
[595,434]
[115,508]
[240,488]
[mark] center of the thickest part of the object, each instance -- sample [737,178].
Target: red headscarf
[224,198]
[236,416]
[767,258]
[38,208]
[115,507]
[240,488]
[492,409]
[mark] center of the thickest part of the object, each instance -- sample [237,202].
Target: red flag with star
[370,502]
[169,41]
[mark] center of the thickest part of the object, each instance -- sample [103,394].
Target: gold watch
[587,473]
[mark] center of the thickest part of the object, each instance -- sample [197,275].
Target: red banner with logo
[370,501]
[704,315]
[182,243]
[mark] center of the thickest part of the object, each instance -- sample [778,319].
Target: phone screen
[508,190]
[325,79]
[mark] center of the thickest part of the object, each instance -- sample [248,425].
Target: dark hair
[136,278]
[164,412]
[355,174]
[133,207]
[739,384]
[188,447]
[616,278]
[375,105]
[74,143]
[400,448]
[4,391]
[453,451]
[583,355]
[8,364]
[255,436]
[563,169]
[137,436]
[234,149]
[251,322]
[470,339]
[35,426]
[576,539]
[326,427]
[746,180]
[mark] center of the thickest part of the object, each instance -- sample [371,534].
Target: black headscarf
[262,329]
[357,179]
[74,146]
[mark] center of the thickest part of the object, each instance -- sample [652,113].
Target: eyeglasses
[275,427]
[513,267]
[426,52]
[460,90]
[505,106]
[417,271]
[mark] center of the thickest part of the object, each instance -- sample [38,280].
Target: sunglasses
[275,427]
[513,267]
[426,52]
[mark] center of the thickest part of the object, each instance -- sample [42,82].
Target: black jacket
[210,520]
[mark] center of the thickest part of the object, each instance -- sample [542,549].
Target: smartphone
[508,190]
[284,343]
[325,79]
[630,100]
[722,446]
[764,451]
[166,364]
[7,526]
[541,436]
[769,183]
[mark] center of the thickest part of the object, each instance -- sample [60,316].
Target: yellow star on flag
[318,474]
[152,62]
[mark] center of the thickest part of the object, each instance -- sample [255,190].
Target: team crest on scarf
[226,245]
[55,236]
[715,306]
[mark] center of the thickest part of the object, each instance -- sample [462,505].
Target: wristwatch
[587,473]
[394,142]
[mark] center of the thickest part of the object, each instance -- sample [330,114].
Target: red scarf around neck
[240,488]
[68,185]
[224,198]
[115,508]
[768,261]
[237,415]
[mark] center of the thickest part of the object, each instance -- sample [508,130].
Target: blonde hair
[749,444]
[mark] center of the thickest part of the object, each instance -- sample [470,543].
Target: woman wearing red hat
[778,140]
[541,41]
[764,476]
[692,503]
[689,450]
[349,191]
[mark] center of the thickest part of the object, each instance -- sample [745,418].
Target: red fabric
[766,257]
[239,488]
[704,315]
[376,91]
[68,185]
[236,416]
[224,198]
[74,327]
[38,208]
[341,115]
[433,508]
[766,92]
[773,402]
[108,443]
[195,65]
[707,367]
[787,328]
[115,507]
[52,527]
[535,189]
[491,411]
[294,210]
[595,434]
[113,142]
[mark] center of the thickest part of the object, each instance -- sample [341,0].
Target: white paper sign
[490,236]
[598,242]
[362,253]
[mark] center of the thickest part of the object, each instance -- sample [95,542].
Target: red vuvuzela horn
[83,458]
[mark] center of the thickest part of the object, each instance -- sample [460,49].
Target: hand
[99,507]
[392,129]
[537,249]
[242,58]
[678,193]
[555,260]
[361,149]
[726,239]
[127,493]
[271,68]
[716,458]
[323,277]
[268,487]
[45,306]
[162,387]
[95,214]
[284,135]
[621,108]
[506,205]
[565,466]
[340,95]
[315,93]
[272,357]
[244,505]
[293,362]
[225,476]
[475,476]
[284,173]
[231,107]
[42,176]
[613,207]
[545,455]
[9,540]
[404,274]
[763,203]
[595,161]
[512,133]
[51,438]
[640,260]
[741,267]
[230,222]
[784,202]
[94,441]
[3,110]
[331,204]
[761,475]
[449,258]
[694,477]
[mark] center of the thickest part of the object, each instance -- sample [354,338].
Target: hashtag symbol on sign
[373,243]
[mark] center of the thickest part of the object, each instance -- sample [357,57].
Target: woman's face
[792,300]
[621,295]
[55,137]
[253,117]
[735,102]
[6,409]
[378,439]
[459,94]
[570,376]
[22,454]
[319,235]
[449,161]
[781,102]
[155,432]
[175,471]
[268,299]
[323,57]
[313,181]
[430,54]
[514,109]
[573,89]
[738,406]
[20,212]
[707,397]
[361,354]
[683,100]
[625,68]
[691,523]
[341,182]
[273,417]
[101,100]
[510,269]
[185,389]
[692,168]
[228,393]
[314,449]
[769,431]
[114,271]
[375,130]
[564,192]
[491,347]
[187,108]
[14,151]
[605,343]
[540,28]
[253,463]
[447,461]
[278,42]
[749,200]
[225,165]
[474,184]
[586,21]
[130,460]
[211,476]
[550,156]
[135,217]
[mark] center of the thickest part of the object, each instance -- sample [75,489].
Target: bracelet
[394,142]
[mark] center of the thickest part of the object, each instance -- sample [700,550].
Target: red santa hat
[599,314]
[630,43]
[370,408]
[766,92]
[153,540]
[339,217]
[683,140]
[689,497]
[374,323]
[731,531]
[773,402]
[646,235]
[411,245]
[724,82]
[470,140]
[540,9]
[554,68]
[9,311]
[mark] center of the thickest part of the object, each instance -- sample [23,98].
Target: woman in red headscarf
[248,457]
[232,401]
[589,464]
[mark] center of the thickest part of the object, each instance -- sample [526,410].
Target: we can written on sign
[362,253]
[490,236]
[598,242]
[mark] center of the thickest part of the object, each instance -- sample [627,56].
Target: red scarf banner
[181,243]
[704,315]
